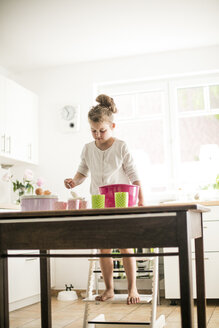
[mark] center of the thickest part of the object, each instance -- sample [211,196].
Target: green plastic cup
[121,199]
[98,201]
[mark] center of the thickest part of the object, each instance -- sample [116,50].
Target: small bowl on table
[38,202]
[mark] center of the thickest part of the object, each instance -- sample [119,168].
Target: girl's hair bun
[108,102]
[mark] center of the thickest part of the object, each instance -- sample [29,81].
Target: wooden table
[137,227]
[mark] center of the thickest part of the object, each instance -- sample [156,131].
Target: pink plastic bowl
[109,191]
[38,203]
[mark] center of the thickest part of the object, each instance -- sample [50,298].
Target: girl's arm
[77,180]
[140,194]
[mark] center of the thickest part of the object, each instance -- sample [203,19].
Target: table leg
[4,311]
[200,282]
[185,270]
[45,286]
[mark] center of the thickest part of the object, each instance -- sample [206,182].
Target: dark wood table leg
[46,321]
[4,310]
[200,282]
[185,270]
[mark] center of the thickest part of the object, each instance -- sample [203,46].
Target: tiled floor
[70,314]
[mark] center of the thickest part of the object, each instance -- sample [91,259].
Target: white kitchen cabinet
[211,274]
[19,122]
[24,280]
[29,133]
[23,276]
[211,260]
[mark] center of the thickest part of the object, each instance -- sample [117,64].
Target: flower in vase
[26,186]
[40,182]
[28,175]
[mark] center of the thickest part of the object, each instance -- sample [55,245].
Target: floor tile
[25,314]
[70,314]
[19,322]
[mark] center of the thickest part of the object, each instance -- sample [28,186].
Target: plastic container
[38,203]
[73,204]
[109,191]
[98,201]
[83,204]
[60,206]
[121,199]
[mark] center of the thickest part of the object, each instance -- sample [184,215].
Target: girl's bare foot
[133,297]
[105,296]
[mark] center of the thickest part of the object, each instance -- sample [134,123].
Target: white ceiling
[43,33]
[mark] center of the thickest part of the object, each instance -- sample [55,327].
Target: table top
[164,208]
[133,227]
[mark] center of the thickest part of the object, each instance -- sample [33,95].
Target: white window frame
[202,81]
[169,86]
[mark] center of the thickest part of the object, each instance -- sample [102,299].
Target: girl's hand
[140,194]
[69,183]
[141,203]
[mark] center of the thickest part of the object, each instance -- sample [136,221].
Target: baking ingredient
[74,194]
[39,191]
[47,192]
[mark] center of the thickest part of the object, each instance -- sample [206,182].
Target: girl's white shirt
[111,166]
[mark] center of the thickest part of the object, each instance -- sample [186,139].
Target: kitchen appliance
[109,191]
[38,202]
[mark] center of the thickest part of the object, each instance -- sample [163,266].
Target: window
[172,128]
[196,117]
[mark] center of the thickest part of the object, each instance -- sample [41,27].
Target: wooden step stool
[100,322]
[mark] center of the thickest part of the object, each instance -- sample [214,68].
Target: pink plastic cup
[60,206]
[73,204]
[83,204]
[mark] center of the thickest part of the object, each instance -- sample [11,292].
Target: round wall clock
[68,112]
[69,118]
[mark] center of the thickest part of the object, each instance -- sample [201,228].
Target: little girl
[109,162]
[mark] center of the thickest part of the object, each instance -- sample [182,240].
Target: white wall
[73,84]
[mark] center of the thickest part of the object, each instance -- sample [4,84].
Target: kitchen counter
[7,206]
[169,225]
[209,202]
[204,203]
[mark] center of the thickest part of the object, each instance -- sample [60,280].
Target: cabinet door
[211,275]
[24,278]
[15,120]
[31,131]
[213,214]
[19,139]
[171,275]
[210,231]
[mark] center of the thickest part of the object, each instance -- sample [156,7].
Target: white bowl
[67,295]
